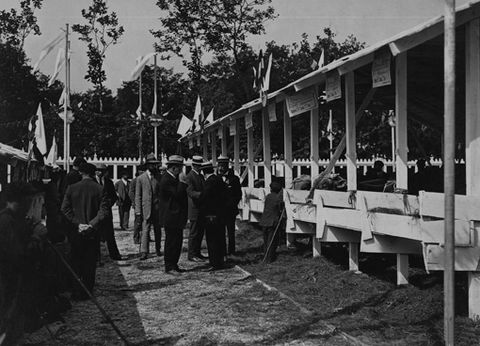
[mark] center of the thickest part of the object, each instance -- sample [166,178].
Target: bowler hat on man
[101,167]
[151,159]
[87,168]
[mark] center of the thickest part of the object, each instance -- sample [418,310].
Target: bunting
[37,135]
[52,154]
[209,118]
[141,62]
[184,126]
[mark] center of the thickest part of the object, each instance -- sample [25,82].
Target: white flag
[266,80]
[47,49]
[197,116]
[40,137]
[61,100]
[52,154]
[321,61]
[137,70]
[184,125]
[209,118]
[58,65]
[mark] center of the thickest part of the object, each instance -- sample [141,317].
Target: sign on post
[302,102]
[333,86]
[248,120]
[272,114]
[381,69]
[232,128]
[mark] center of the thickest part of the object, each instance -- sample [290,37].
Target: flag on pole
[266,79]
[47,49]
[321,61]
[61,100]
[197,116]
[184,126]
[52,154]
[209,118]
[39,139]
[59,62]
[314,64]
[141,62]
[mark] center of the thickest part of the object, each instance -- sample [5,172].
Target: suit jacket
[195,183]
[131,191]
[272,209]
[73,177]
[173,202]
[213,198]
[146,196]
[85,202]
[234,194]
[123,196]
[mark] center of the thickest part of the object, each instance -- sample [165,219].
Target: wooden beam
[236,148]
[351,131]
[287,143]
[401,121]
[314,148]
[251,156]
[267,154]
[355,64]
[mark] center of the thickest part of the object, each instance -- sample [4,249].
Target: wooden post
[472,142]
[213,142]
[314,149]
[134,170]
[251,158]
[317,246]
[402,269]
[287,144]
[351,154]
[224,141]
[115,172]
[204,145]
[267,154]
[236,148]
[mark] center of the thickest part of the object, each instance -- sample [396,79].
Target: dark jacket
[213,198]
[123,196]
[73,177]
[85,203]
[234,193]
[173,202]
[131,191]
[195,183]
[109,190]
[272,209]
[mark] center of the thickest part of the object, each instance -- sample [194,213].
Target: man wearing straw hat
[147,206]
[173,212]
[195,183]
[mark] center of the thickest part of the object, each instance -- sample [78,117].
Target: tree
[101,32]
[16,26]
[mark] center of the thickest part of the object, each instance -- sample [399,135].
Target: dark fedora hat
[151,159]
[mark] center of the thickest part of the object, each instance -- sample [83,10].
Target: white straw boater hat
[175,160]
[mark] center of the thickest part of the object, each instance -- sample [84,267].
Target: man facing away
[137,223]
[212,209]
[234,195]
[85,205]
[147,206]
[124,202]
[195,183]
[173,212]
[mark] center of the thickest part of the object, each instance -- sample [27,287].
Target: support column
[204,145]
[287,144]
[115,172]
[236,148]
[472,143]
[213,141]
[401,162]
[251,154]
[314,149]
[267,154]
[351,154]
[224,141]
[317,247]
[134,170]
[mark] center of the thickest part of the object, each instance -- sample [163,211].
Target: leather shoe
[179,270]
[143,257]
[172,272]
[195,259]
[210,269]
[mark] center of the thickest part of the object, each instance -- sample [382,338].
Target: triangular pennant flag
[266,81]
[52,154]
[321,61]
[59,62]
[61,100]
[39,140]
[137,70]
[197,116]
[184,125]
[209,118]
[47,49]
[314,65]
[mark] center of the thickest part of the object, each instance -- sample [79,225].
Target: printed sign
[272,114]
[248,120]
[381,70]
[302,102]
[333,86]
[233,129]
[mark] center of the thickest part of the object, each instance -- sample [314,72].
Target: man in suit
[234,195]
[137,223]
[124,203]
[195,183]
[212,208]
[173,212]
[147,206]
[74,175]
[106,228]
[85,205]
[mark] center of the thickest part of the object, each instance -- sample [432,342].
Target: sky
[369,20]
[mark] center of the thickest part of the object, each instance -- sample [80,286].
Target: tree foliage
[101,31]
[16,26]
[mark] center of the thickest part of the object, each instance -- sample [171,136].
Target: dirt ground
[297,300]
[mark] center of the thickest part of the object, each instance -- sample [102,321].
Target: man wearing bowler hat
[212,209]
[147,206]
[195,183]
[173,212]
[234,195]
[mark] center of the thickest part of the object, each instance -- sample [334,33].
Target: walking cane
[92,298]
[274,234]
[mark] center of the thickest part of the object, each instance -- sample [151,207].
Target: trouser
[137,229]
[173,247]
[195,236]
[124,215]
[147,225]
[109,236]
[270,243]
[215,235]
[231,234]
[83,260]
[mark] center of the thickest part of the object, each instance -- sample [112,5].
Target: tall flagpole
[154,111]
[140,137]
[67,102]
[65,106]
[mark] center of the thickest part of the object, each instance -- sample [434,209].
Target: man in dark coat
[122,187]
[137,223]
[270,221]
[74,175]
[212,207]
[106,228]
[85,205]
[195,183]
[173,212]
[234,195]
[147,206]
